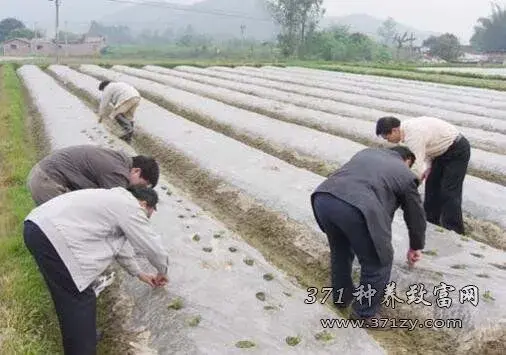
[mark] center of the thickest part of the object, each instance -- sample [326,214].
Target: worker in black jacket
[355,207]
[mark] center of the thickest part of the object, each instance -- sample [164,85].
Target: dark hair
[386,124]
[146,194]
[404,152]
[103,84]
[149,168]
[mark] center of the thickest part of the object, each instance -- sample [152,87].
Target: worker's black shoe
[128,127]
[127,137]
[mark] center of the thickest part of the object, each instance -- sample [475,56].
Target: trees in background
[339,44]
[387,31]
[490,34]
[297,19]
[13,28]
[446,46]
[114,34]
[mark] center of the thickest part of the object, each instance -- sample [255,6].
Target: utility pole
[66,40]
[57,29]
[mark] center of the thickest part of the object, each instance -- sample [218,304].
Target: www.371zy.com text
[391,323]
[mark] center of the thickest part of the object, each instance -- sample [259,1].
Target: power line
[188,9]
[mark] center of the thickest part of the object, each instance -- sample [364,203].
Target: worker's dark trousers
[348,235]
[443,188]
[76,310]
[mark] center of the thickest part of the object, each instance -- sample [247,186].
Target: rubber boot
[127,126]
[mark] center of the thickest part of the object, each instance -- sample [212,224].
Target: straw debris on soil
[270,308]
[459,266]
[499,266]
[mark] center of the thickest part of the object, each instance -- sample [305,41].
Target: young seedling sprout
[324,336]
[249,261]
[194,321]
[292,341]
[488,296]
[176,304]
[244,344]
[268,277]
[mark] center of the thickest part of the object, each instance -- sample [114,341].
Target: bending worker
[446,153]
[125,99]
[76,236]
[355,208]
[87,167]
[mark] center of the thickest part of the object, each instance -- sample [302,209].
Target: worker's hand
[414,256]
[161,280]
[148,278]
[425,174]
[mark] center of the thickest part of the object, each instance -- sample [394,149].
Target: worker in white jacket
[124,99]
[74,237]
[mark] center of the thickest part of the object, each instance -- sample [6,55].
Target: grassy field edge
[28,323]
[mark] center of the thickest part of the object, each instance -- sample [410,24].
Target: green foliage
[490,34]
[28,323]
[338,44]
[8,25]
[21,33]
[387,31]
[446,46]
[114,34]
[297,19]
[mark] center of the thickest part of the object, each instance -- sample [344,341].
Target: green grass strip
[28,323]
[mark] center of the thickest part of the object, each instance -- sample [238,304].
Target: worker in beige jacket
[442,157]
[124,99]
[75,236]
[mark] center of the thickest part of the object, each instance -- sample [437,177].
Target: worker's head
[103,85]
[406,154]
[147,197]
[389,128]
[144,172]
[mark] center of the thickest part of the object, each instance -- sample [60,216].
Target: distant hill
[369,25]
[251,13]
[218,18]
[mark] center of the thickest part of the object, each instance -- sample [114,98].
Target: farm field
[241,151]
[500,72]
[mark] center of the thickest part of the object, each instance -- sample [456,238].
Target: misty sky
[456,16]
